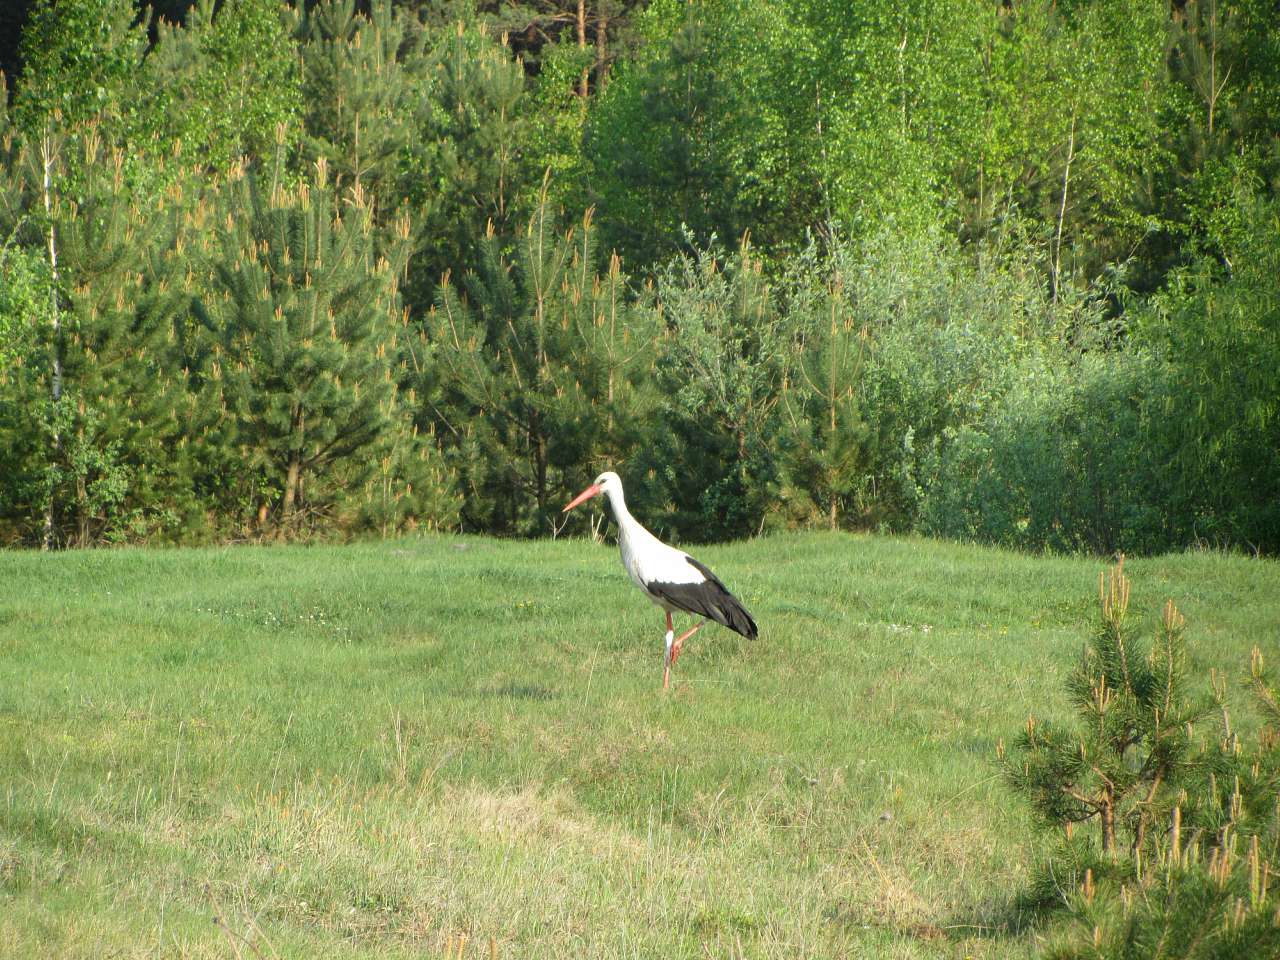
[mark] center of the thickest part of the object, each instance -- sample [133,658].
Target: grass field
[375,750]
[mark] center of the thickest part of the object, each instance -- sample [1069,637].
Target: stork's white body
[646,558]
[669,577]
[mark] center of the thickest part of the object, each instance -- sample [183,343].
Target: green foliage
[867,380]
[88,408]
[24,300]
[1224,73]
[411,486]
[1188,823]
[225,84]
[887,88]
[825,449]
[427,120]
[79,61]
[703,131]
[776,115]
[544,372]
[466,168]
[368,86]
[1167,441]
[553,145]
[1069,459]
[304,325]
[722,372]
[24,306]
[1046,239]
[947,337]
[1218,331]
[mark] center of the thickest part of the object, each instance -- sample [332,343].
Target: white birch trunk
[47,158]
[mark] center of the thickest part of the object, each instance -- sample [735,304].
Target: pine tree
[721,372]
[412,484]
[546,373]
[303,315]
[368,89]
[1121,765]
[467,184]
[427,119]
[1188,825]
[825,432]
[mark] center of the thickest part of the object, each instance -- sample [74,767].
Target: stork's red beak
[587,494]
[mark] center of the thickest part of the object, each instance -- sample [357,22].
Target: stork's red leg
[675,647]
[666,656]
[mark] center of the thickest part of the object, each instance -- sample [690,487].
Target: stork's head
[606,483]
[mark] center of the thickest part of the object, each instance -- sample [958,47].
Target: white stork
[669,577]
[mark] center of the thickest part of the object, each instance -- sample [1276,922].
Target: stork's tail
[736,617]
[713,600]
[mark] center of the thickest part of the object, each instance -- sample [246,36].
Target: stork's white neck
[619,504]
[630,532]
[640,549]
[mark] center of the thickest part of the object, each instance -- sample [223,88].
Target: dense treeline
[1006,271]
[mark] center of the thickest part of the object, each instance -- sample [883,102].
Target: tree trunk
[46,156]
[82,510]
[1062,209]
[582,45]
[82,492]
[291,483]
[1108,814]
[602,38]
[539,464]
[293,475]
[1214,89]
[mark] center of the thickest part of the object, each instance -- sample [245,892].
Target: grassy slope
[363,751]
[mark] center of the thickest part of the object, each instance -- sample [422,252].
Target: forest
[1004,271]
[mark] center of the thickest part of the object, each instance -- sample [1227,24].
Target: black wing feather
[710,599]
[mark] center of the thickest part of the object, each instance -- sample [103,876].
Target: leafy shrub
[947,336]
[1217,326]
[833,394]
[1068,459]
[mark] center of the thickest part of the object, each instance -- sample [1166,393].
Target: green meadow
[459,747]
